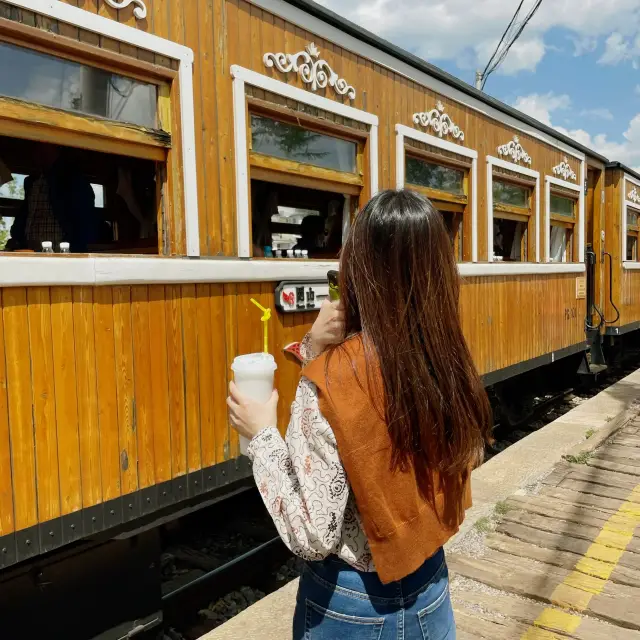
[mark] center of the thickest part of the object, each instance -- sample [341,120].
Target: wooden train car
[217,136]
[618,265]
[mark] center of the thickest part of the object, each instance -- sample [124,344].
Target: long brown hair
[399,285]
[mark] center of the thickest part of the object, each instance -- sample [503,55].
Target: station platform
[550,549]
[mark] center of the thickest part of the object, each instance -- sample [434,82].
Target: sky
[575,67]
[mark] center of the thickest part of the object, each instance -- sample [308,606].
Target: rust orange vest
[403,529]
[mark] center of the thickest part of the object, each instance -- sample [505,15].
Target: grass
[483,525]
[581,458]
[589,433]
[501,508]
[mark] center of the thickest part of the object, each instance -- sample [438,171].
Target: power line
[504,35]
[509,37]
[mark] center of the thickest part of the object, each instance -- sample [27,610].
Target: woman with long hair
[389,419]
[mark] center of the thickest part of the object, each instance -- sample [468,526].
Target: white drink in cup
[253,374]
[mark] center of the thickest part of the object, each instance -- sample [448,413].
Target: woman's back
[373,477]
[403,529]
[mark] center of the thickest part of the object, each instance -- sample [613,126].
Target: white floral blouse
[305,488]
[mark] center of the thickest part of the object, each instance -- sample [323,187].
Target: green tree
[294,143]
[13,190]
[4,233]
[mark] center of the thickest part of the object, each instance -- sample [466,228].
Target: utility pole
[479,77]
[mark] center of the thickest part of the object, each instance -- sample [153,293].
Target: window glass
[632,218]
[510,194]
[562,206]
[632,247]
[289,142]
[54,82]
[509,240]
[434,176]
[558,247]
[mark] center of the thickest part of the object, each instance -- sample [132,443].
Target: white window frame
[579,228]
[623,221]
[138,38]
[403,132]
[529,173]
[242,77]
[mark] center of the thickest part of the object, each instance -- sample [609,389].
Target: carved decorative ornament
[514,151]
[311,69]
[439,121]
[634,196]
[139,11]
[564,170]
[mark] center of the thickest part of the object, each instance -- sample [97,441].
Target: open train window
[83,153]
[563,217]
[290,220]
[99,203]
[512,221]
[633,220]
[305,185]
[446,186]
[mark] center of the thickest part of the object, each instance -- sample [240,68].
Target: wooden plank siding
[151,363]
[625,289]
[107,390]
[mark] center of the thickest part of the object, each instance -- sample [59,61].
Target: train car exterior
[114,363]
[619,264]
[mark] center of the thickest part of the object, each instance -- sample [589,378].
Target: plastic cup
[253,374]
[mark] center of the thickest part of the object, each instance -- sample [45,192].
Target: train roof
[619,165]
[371,39]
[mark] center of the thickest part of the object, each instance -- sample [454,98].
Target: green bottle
[334,289]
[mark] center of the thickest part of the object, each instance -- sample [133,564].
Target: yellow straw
[266,316]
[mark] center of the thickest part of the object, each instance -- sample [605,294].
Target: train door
[594,248]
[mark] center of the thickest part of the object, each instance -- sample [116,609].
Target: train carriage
[618,265]
[223,140]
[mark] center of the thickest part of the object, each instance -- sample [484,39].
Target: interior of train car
[98,202]
[306,178]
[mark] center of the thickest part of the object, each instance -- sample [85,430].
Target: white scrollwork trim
[311,69]
[634,196]
[139,11]
[439,121]
[514,150]
[564,170]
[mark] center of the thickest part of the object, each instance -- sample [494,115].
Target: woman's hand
[328,328]
[249,417]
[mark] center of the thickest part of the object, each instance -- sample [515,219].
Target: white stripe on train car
[38,270]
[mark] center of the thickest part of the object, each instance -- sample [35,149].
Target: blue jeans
[335,601]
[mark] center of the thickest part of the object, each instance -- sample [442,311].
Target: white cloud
[584,44]
[540,106]
[601,113]
[468,31]
[543,106]
[620,49]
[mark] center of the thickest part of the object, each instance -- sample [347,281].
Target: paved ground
[550,550]
[562,562]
